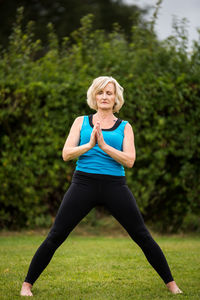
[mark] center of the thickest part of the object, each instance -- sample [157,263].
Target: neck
[104,114]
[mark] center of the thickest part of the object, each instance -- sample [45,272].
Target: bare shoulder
[79,119]
[78,122]
[128,128]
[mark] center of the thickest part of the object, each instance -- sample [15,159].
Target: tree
[65,15]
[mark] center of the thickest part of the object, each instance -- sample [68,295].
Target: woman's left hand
[99,135]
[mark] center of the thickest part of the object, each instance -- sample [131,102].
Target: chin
[105,107]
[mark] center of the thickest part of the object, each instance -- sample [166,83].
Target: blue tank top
[95,160]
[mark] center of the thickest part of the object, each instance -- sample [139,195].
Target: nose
[104,96]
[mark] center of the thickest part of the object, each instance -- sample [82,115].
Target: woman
[104,144]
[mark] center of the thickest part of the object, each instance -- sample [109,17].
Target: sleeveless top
[95,160]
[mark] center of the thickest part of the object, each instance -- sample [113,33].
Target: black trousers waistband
[100,177]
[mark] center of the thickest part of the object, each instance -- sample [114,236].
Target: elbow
[130,162]
[65,157]
[129,165]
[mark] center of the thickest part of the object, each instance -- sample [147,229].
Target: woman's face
[106,97]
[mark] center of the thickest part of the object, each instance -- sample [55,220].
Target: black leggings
[85,192]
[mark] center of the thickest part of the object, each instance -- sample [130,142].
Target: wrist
[89,146]
[103,147]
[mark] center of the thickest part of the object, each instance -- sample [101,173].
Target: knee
[56,237]
[142,237]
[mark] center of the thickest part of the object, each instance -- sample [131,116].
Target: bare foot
[173,288]
[26,289]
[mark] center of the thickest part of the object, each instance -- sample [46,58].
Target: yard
[99,267]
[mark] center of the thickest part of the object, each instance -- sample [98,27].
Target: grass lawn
[89,267]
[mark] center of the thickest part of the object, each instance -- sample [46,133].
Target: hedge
[42,90]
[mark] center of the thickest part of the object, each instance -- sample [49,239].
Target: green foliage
[66,15]
[43,90]
[191,223]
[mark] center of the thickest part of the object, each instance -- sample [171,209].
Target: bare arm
[125,157]
[71,148]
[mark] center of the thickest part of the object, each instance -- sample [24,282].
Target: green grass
[99,268]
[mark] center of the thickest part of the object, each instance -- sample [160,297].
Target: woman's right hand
[93,137]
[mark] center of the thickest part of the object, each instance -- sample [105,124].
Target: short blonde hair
[98,84]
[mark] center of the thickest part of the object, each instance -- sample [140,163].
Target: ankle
[27,284]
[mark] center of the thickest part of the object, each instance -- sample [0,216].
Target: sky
[189,9]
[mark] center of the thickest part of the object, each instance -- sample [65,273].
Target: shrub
[43,90]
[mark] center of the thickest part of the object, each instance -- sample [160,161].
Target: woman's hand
[93,137]
[99,135]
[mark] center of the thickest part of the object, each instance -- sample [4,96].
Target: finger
[94,131]
[98,124]
[98,133]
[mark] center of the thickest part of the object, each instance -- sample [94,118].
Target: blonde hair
[98,84]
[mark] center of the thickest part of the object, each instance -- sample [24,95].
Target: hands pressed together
[97,136]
